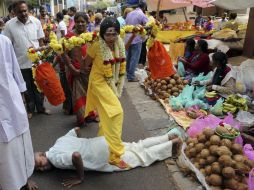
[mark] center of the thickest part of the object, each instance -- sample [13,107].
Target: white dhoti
[16,162]
[145,152]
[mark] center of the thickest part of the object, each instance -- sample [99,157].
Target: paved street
[46,129]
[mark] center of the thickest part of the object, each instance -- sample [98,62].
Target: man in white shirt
[61,30]
[24,32]
[73,152]
[16,151]
[222,21]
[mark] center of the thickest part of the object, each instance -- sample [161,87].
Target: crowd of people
[92,94]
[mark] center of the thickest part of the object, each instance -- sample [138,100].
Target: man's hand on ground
[72,182]
[31,185]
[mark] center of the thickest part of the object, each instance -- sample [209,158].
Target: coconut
[168,91]
[174,89]
[208,170]
[249,163]
[241,168]
[215,140]
[176,76]
[216,169]
[202,162]
[228,172]
[208,132]
[202,170]
[170,86]
[226,142]
[239,158]
[236,149]
[179,81]
[215,180]
[230,183]
[172,81]
[216,188]
[163,82]
[242,186]
[197,165]
[225,160]
[180,87]
[159,84]
[185,82]
[167,79]
[201,138]
[175,94]
[213,149]
[207,144]
[223,150]
[199,147]
[210,159]
[205,153]
[164,87]
[193,152]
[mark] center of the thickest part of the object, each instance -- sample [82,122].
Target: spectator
[136,17]
[10,15]
[66,17]
[209,25]
[121,19]
[17,159]
[222,21]
[15,30]
[199,21]
[71,12]
[61,27]
[231,24]
[1,25]
[45,21]
[162,19]
[91,16]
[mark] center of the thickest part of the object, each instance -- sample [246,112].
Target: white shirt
[24,36]
[13,117]
[222,23]
[61,26]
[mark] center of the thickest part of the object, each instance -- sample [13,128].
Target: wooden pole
[248,47]
[158,9]
[185,15]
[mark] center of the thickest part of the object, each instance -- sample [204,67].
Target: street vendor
[73,152]
[222,81]
[199,62]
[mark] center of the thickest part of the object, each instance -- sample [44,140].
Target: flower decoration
[32,55]
[114,66]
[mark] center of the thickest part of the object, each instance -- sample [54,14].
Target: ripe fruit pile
[220,160]
[234,103]
[166,87]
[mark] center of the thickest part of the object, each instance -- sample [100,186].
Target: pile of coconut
[166,87]
[220,160]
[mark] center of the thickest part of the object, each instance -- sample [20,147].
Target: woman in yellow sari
[105,61]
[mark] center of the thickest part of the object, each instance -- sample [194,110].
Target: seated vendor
[189,48]
[231,23]
[209,24]
[199,62]
[222,81]
[73,152]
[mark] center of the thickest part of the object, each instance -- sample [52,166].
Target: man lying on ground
[72,152]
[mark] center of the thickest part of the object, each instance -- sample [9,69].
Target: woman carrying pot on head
[77,80]
[106,62]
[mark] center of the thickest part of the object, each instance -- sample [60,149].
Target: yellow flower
[128,28]
[32,55]
[122,33]
[122,68]
[88,37]
[108,73]
[150,42]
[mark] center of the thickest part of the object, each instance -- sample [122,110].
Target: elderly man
[25,31]
[16,151]
[73,152]
[97,22]
[136,17]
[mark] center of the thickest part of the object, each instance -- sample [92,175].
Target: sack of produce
[159,61]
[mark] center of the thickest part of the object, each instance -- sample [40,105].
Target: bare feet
[31,185]
[78,132]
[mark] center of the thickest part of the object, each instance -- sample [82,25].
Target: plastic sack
[245,118]
[248,151]
[239,81]
[180,69]
[202,77]
[212,122]
[199,93]
[159,61]
[186,94]
[141,75]
[196,102]
[49,83]
[217,108]
[175,103]
[251,180]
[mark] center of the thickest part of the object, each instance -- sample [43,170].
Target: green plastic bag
[217,108]
[180,69]
[199,93]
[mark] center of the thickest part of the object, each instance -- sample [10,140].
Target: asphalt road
[46,129]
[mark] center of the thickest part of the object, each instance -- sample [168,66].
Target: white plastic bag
[245,118]
[141,75]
